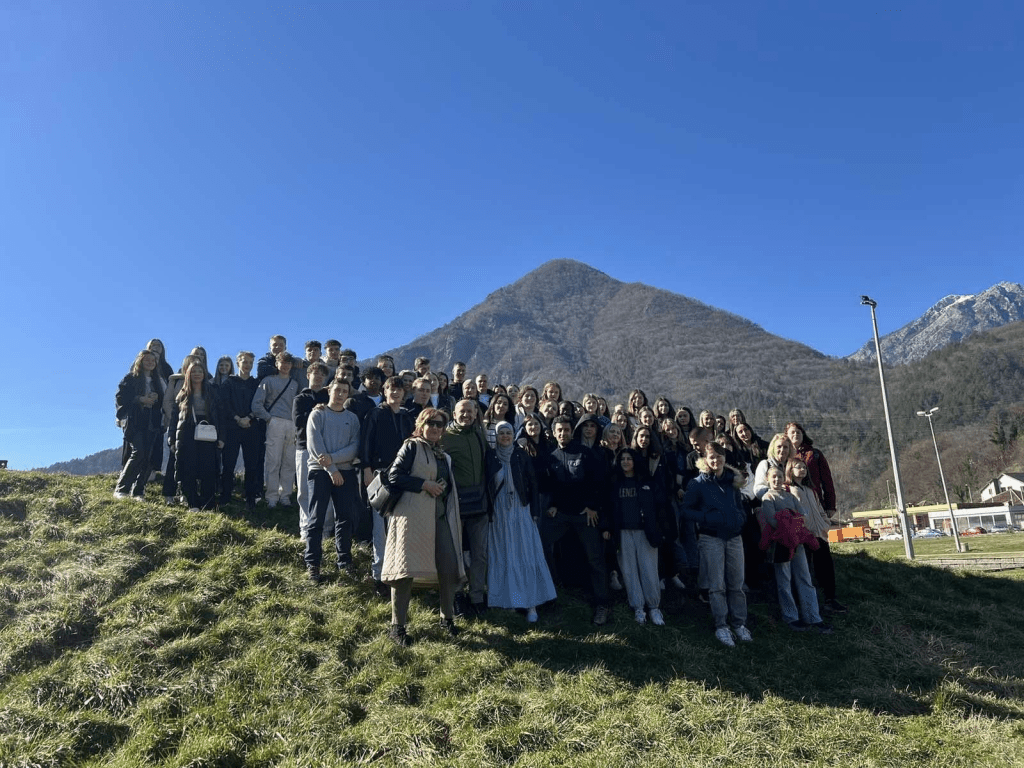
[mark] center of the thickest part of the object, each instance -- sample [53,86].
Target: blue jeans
[804,589]
[721,562]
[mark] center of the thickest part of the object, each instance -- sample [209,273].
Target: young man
[420,397]
[712,500]
[333,443]
[312,354]
[574,482]
[422,366]
[332,352]
[483,393]
[458,377]
[272,403]
[243,432]
[384,430]
[315,394]
[472,463]
[348,357]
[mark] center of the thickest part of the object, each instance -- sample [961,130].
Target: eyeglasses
[435,423]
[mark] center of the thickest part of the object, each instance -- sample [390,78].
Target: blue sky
[212,173]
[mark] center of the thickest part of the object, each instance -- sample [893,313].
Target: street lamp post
[908,545]
[942,476]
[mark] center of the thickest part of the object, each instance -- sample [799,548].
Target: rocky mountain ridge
[949,320]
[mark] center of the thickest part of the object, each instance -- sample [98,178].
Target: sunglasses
[435,423]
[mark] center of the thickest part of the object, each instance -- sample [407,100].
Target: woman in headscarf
[517,573]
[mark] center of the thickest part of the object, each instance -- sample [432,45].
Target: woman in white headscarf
[517,574]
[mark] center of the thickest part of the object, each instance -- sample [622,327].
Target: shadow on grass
[917,639]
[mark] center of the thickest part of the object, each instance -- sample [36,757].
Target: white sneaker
[641,617]
[742,633]
[613,581]
[531,615]
[678,583]
[120,495]
[168,500]
[725,637]
[656,618]
[193,509]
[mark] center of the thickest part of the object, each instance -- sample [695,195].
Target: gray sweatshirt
[268,391]
[334,434]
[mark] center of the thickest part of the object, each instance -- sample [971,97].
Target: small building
[1011,483]
[1001,512]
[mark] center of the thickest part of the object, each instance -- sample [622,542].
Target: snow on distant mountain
[950,319]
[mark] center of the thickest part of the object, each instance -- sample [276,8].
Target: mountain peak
[951,318]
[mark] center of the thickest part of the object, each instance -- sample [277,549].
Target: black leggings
[824,569]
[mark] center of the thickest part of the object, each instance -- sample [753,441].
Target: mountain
[571,323]
[951,319]
[93,464]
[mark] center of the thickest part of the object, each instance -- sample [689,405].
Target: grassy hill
[137,634]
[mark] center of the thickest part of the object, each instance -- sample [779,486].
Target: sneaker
[169,501]
[834,606]
[704,597]
[448,625]
[656,618]
[601,615]
[313,573]
[798,625]
[677,582]
[398,636]
[823,628]
[742,633]
[193,509]
[531,615]
[641,617]
[461,604]
[382,590]
[120,495]
[661,585]
[725,637]
[613,581]
[348,570]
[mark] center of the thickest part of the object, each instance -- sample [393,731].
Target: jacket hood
[577,433]
[735,475]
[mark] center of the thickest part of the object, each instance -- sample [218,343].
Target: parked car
[928,533]
[892,537]
[1003,528]
[975,531]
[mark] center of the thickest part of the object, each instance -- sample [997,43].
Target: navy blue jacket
[714,503]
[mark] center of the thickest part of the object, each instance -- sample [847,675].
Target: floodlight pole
[942,476]
[908,545]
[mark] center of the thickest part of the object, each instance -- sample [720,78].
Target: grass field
[136,634]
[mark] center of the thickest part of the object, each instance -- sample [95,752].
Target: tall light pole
[908,545]
[942,476]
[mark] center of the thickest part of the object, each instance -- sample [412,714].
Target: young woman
[553,391]
[706,420]
[163,368]
[621,419]
[663,408]
[225,368]
[816,519]
[139,399]
[170,413]
[637,507]
[686,422]
[424,537]
[592,405]
[517,573]
[527,407]
[637,400]
[499,410]
[196,460]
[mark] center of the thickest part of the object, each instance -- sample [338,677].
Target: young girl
[139,398]
[196,460]
[499,410]
[775,500]
[816,520]
[637,506]
[527,407]
[225,368]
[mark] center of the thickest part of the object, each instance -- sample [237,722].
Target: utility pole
[908,545]
[942,477]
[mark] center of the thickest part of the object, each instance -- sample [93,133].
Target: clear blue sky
[212,173]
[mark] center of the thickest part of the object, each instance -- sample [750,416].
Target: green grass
[137,634]
[989,544]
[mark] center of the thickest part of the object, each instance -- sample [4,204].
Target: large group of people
[492,494]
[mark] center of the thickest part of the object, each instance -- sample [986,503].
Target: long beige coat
[409,551]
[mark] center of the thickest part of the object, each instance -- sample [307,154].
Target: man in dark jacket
[303,404]
[384,430]
[712,500]
[243,432]
[465,443]
[573,478]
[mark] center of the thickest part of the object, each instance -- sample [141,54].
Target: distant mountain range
[951,319]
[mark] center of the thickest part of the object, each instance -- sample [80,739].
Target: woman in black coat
[196,460]
[139,397]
